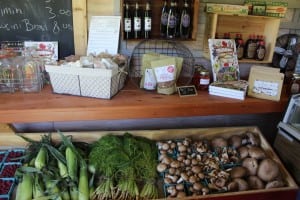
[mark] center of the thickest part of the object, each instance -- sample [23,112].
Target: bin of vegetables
[113,167]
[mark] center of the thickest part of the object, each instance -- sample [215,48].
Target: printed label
[150,81]
[147,24]
[127,25]
[165,73]
[265,87]
[204,81]
[186,20]
[137,23]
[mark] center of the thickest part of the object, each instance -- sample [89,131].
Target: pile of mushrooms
[200,167]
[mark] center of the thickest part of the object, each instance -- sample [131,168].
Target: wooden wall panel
[80,26]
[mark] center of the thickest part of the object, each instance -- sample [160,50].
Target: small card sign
[265,83]
[184,91]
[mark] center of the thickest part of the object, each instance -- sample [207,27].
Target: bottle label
[127,25]
[164,18]
[172,21]
[147,24]
[185,20]
[204,81]
[137,23]
[261,53]
[251,50]
[240,52]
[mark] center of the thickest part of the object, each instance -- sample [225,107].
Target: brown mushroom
[251,164]
[253,139]
[268,170]
[255,182]
[219,142]
[242,184]
[235,141]
[243,151]
[232,186]
[274,184]
[256,152]
[238,172]
[161,167]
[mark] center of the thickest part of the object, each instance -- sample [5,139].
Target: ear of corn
[83,186]
[52,188]
[72,164]
[24,189]
[38,189]
[63,171]
[40,160]
[74,192]
[65,195]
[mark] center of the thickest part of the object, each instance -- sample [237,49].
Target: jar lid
[204,72]
[296,76]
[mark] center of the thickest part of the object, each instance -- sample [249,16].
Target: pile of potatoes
[200,167]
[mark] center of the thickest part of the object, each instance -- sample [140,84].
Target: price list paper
[104,35]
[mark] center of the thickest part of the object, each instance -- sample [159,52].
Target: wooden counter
[129,103]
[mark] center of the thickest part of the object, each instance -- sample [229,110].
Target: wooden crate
[246,25]
[289,192]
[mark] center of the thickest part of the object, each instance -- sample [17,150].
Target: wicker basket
[87,82]
[166,47]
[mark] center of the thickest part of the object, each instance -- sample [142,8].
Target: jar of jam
[295,85]
[201,78]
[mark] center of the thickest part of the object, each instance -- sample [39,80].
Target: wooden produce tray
[289,191]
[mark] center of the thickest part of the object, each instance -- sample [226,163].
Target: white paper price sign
[265,87]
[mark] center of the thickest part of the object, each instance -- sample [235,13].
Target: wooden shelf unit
[246,25]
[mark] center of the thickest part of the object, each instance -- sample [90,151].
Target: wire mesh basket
[166,47]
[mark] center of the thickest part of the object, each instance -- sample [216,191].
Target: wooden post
[79,8]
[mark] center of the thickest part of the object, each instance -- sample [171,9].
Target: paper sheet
[104,35]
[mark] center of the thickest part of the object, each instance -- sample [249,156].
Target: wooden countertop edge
[127,104]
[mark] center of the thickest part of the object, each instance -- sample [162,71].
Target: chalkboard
[38,20]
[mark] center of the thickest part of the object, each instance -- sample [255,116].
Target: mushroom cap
[238,172]
[274,184]
[235,141]
[256,152]
[251,164]
[242,184]
[219,142]
[243,151]
[268,170]
[255,182]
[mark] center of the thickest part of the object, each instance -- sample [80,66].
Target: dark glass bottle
[147,21]
[137,22]
[238,37]
[260,51]
[250,47]
[185,21]
[127,22]
[164,19]
[172,21]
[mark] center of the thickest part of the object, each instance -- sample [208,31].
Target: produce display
[126,166]
[210,166]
